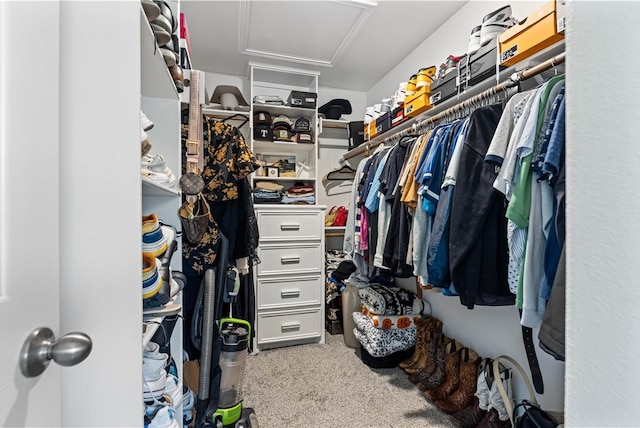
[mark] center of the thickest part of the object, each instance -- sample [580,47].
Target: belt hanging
[532,358]
[192,183]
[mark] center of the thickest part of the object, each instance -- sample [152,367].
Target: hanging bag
[194,213]
[533,416]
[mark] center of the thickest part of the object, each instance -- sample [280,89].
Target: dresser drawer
[290,325]
[289,291]
[289,225]
[290,259]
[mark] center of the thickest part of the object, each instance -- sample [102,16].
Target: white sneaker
[153,361]
[398,98]
[165,418]
[143,135]
[377,110]
[494,23]
[145,123]
[368,116]
[158,165]
[156,177]
[474,40]
[174,390]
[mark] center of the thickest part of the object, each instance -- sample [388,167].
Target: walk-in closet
[349,213]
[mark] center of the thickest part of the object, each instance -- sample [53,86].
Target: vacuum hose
[208,325]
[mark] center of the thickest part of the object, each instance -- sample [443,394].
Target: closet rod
[512,81]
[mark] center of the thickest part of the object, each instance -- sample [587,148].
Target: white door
[29,234]
[70,208]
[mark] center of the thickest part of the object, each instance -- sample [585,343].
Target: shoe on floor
[494,23]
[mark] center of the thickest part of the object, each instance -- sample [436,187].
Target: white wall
[603,321]
[452,38]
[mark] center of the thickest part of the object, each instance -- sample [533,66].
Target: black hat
[261,117]
[335,108]
[344,271]
[263,132]
[302,124]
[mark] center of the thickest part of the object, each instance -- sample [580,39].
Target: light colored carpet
[328,386]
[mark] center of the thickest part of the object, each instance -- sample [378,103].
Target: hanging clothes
[477,238]
[227,161]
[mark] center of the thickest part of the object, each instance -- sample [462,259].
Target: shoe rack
[160,101]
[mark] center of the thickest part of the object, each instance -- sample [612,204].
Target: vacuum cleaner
[223,344]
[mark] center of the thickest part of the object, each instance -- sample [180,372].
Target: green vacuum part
[228,416]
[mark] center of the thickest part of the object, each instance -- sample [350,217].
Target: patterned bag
[195,218]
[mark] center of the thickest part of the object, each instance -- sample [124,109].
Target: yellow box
[536,32]
[372,129]
[418,102]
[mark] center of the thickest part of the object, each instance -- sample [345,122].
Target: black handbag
[533,416]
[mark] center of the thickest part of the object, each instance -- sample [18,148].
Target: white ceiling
[353,44]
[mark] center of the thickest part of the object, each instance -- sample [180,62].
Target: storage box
[333,326]
[383,123]
[417,103]
[445,88]
[372,129]
[184,32]
[302,99]
[397,116]
[482,63]
[356,134]
[464,73]
[536,32]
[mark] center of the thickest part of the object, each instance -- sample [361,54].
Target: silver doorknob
[41,347]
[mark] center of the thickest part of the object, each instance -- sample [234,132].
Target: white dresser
[290,278]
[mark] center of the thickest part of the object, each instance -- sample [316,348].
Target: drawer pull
[289,260]
[290,226]
[292,326]
[290,293]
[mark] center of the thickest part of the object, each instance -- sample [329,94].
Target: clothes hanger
[345,172]
[244,117]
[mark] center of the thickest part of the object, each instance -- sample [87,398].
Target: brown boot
[470,416]
[433,325]
[437,377]
[491,420]
[463,395]
[421,325]
[451,372]
[427,360]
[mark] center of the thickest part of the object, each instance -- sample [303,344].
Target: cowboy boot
[471,415]
[451,371]
[433,325]
[421,325]
[492,420]
[427,360]
[437,376]
[500,416]
[463,395]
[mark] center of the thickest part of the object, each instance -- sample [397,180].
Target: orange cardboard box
[536,32]
[418,102]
